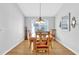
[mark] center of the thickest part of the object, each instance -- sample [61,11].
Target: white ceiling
[33,9]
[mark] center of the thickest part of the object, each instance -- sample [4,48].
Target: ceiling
[33,9]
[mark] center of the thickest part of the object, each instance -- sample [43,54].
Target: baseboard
[67,47]
[13,47]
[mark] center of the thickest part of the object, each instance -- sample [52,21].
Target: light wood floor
[22,49]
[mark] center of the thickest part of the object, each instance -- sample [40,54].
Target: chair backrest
[43,37]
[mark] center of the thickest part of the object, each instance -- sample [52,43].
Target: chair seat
[42,46]
[41,43]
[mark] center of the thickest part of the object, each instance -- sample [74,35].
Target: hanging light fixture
[40,20]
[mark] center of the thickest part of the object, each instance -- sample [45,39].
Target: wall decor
[73,22]
[65,22]
[77,21]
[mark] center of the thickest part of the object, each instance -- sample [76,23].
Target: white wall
[11,27]
[70,39]
[51,23]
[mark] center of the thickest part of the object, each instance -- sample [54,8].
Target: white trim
[67,47]
[13,47]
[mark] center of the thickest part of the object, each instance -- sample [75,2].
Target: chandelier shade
[40,20]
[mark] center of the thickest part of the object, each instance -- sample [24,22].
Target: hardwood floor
[22,49]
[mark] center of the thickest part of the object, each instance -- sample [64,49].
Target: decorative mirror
[73,22]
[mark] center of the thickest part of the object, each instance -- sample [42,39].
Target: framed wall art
[65,22]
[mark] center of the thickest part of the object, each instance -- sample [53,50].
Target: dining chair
[42,42]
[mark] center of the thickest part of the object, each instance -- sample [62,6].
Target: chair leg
[48,51]
[30,45]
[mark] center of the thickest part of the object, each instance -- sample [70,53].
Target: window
[39,27]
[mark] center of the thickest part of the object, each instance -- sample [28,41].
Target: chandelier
[40,20]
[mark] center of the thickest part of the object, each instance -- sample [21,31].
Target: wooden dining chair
[42,42]
[29,39]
